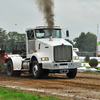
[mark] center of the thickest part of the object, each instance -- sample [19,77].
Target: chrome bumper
[58,66]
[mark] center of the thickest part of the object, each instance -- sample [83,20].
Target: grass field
[8,94]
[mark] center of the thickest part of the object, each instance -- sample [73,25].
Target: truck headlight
[76,58]
[45,59]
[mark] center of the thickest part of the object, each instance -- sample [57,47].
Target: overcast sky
[76,15]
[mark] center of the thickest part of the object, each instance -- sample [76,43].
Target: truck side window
[40,35]
[30,34]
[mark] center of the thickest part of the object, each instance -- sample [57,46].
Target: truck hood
[55,41]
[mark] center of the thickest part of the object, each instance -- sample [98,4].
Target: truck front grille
[62,53]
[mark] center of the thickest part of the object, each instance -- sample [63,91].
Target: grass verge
[9,94]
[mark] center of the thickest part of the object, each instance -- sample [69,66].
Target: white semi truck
[46,52]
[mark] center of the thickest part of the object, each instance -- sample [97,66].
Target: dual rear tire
[10,71]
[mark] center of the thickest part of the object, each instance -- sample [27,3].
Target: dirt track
[83,87]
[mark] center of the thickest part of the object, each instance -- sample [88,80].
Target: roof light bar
[47,26]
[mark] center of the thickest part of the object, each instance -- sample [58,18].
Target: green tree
[3,36]
[86,42]
[14,37]
[17,37]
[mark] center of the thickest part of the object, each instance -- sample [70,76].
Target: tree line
[85,42]
[10,39]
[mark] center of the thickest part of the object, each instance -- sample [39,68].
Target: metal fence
[83,54]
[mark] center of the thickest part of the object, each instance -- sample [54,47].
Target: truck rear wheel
[37,70]
[72,73]
[10,71]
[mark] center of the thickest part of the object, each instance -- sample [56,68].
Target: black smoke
[46,7]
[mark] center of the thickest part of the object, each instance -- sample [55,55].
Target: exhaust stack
[50,38]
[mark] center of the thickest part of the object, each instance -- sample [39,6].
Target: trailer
[46,52]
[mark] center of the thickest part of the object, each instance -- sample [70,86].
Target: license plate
[63,66]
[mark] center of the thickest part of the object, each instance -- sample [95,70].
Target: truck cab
[46,52]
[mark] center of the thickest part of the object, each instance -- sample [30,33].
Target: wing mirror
[67,33]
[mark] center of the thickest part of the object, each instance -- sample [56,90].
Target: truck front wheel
[72,73]
[37,70]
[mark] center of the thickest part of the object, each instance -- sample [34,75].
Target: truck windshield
[45,33]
